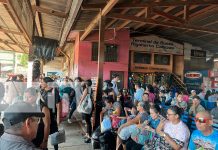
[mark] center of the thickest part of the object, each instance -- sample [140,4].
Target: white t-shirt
[179,132]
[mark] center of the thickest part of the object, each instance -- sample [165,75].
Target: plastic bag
[86,105]
[106,124]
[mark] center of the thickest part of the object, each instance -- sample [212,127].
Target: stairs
[177,82]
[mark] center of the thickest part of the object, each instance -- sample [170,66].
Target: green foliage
[24,60]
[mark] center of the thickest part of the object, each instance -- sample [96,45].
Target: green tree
[24,60]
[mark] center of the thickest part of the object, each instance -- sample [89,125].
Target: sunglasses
[201,120]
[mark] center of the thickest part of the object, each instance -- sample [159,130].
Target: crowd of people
[139,121]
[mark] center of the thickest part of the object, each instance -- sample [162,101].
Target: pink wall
[87,68]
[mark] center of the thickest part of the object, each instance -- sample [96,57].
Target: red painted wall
[87,68]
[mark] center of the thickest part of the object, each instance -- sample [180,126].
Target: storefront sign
[193,75]
[194,79]
[198,53]
[156,44]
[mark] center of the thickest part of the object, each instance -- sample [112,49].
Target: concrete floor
[74,133]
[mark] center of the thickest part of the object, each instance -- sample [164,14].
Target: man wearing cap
[193,93]
[21,123]
[196,106]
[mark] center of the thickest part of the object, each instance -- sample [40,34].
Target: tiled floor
[74,139]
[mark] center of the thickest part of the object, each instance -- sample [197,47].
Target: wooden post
[101,48]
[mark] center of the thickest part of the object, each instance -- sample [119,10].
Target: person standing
[87,90]
[33,98]
[138,95]
[51,98]
[114,82]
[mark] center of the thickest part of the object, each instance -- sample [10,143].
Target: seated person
[138,93]
[110,108]
[169,98]
[125,130]
[179,102]
[205,137]
[196,106]
[173,133]
[214,111]
[145,131]
[133,112]
[162,96]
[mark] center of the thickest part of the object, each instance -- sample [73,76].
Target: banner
[156,44]
[194,79]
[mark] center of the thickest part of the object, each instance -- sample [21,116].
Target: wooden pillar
[101,48]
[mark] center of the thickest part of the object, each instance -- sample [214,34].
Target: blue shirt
[138,94]
[153,123]
[199,141]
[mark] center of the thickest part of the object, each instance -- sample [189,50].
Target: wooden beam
[177,14]
[155,16]
[10,31]
[3,1]
[122,12]
[95,21]
[164,24]
[37,20]
[16,42]
[13,13]
[50,12]
[75,6]
[114,20]
[12,43]
[9,46]
[168,16]
[151,4]
[197,15]
[100,69]
[128,21]
[186,13]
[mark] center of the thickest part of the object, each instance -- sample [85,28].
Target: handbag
[106,124]
[115,121]
[57,137]
[86,105]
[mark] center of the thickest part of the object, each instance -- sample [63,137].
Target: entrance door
[121,76]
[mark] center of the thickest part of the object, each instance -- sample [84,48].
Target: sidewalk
[74,140]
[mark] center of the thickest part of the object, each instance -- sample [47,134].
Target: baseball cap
[19,112]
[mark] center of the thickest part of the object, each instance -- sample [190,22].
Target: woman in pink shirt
[150,91]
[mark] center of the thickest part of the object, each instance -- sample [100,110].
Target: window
[142,58]
[110,52]
[161,59]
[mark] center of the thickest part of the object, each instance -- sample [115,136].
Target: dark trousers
[87,118]
[72,109]
[132,145]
